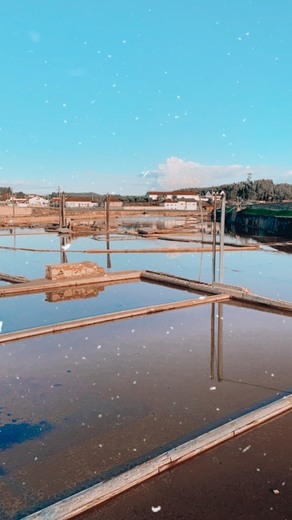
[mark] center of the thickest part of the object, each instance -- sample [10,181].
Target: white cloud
[177,173]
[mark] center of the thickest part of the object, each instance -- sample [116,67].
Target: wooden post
[220,343]
[212,356]
[214,238]
[107,210]
[222,226]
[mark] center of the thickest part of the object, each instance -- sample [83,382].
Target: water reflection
[17,433]
[115,392]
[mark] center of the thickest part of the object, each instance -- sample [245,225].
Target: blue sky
[126,96]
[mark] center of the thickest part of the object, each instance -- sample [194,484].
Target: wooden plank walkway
[105,318]
[99,493]
[236,293]
[43,284]
[135,251]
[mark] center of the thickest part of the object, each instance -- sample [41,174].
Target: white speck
[155,509]
[98,347]
[272,375]
[65,247]
[217,409]
[35,458]
[212,387]
[86,338]
[83,357]
[258,469]
[134,382]
[133,330]
[100,415]
[276,492]
[246,449]
[65,121]
[100,445]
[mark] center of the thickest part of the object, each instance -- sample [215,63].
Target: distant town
[263,190]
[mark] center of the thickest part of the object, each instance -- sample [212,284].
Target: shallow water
[103,396]
[78,404]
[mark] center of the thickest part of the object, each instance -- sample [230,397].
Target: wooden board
[43,285]
[237,293]
[104,318]
[95,495]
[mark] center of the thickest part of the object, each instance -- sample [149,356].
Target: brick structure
[65,271]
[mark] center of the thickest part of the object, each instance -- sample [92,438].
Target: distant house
[79,202]
[174,196]
[17,201]
[115,202]
[36,200]
[181,204]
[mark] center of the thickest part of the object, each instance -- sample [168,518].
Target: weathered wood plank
[237,293]
[95,495]
[42,284]
[152,250]
[12,278]
[104,318]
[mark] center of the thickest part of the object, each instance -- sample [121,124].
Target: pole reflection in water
[219,329]
[108,256]
[65,242]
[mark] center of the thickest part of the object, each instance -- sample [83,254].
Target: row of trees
[259,190]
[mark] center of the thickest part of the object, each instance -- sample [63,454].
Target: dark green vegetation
[275,210]
[260,190]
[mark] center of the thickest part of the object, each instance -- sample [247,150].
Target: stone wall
[65,271]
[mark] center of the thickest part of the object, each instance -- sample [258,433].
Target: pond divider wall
[93,496]
[105,318]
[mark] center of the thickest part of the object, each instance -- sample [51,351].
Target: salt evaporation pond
[266,271]
[78,405]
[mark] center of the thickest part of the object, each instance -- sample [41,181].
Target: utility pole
[222,228]
[214,238]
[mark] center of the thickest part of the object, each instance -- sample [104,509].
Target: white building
[181,205]
[173,195]
[79,202]
[36,200]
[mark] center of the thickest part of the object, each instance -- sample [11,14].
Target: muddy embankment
[39,217]
[246,223]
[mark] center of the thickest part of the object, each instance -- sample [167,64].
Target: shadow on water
[11,434]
